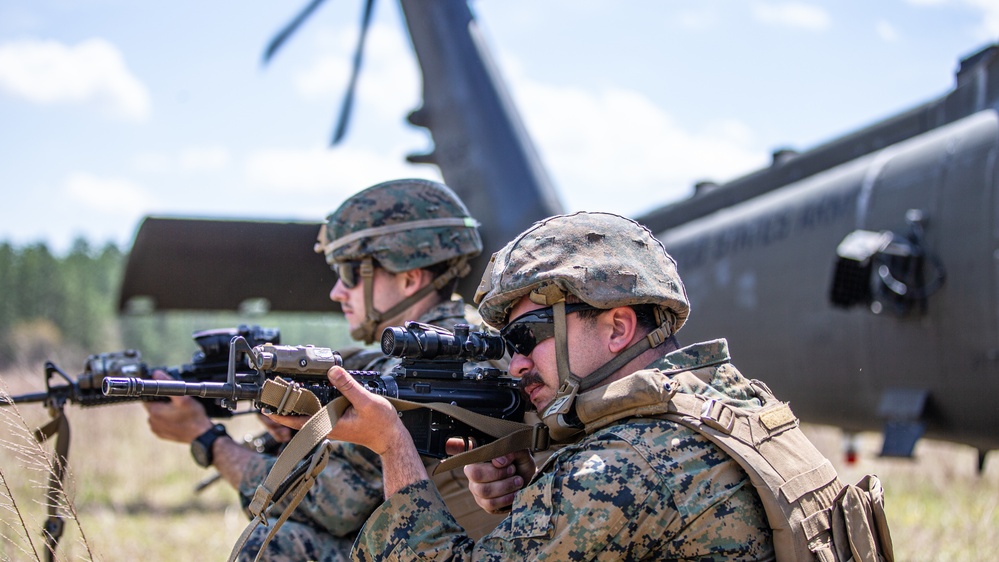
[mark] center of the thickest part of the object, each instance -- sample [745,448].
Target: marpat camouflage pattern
[636,489]
[323,527]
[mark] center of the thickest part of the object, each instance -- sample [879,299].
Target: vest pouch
[859,526]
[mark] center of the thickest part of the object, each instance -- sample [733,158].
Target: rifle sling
[510,436]
[312,433]
[288,398]
[54,524]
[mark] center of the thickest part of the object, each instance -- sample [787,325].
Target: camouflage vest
[812,514]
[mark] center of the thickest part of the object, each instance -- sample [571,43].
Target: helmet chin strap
[562,429]
[366,331]
[372,317]
[559,416]
[655,338]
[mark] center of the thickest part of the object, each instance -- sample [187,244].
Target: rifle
[209,363]
[437,366]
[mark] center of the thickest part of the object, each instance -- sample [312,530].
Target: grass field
[134,497]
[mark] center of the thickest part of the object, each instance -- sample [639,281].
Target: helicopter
[859,279]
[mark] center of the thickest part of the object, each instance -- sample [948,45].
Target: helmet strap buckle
[558,413]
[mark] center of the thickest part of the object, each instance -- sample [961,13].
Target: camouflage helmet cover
[403,224]
[604,259]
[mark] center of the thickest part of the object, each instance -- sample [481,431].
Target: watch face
[200,453]
[201,448]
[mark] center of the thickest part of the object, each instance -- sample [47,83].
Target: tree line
[56,301]
[66,307]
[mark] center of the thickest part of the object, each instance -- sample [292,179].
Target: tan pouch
[859,526]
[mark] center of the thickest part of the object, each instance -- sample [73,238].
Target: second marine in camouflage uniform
[395,226]
[326,522]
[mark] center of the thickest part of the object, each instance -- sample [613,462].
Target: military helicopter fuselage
[859,279]
[830,332]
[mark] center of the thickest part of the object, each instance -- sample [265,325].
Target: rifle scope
[423,341]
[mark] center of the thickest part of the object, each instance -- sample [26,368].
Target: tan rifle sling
[290,478]
[55,495]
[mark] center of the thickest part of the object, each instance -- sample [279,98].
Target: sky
[113,110]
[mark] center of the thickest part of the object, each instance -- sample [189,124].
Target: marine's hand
[373,422]
[181,419]
[370,420]
[494,484]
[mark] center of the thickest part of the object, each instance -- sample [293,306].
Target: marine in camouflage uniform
[623,487]
[397,226]
[326,522]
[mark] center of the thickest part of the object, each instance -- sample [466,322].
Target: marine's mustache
[529,379]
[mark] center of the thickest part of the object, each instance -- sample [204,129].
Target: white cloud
[628,155]
[989,28]
[331,174]
[990,17]
[204,158]
[107,195]
[886,32]
[791,14]
[325,77]
[92,72]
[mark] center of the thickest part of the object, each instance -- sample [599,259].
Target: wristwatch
[201,447]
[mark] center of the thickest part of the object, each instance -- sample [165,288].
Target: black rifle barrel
[23,398]
[136,387]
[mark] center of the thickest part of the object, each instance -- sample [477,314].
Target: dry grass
[133,492]
[135,501]
[938,506]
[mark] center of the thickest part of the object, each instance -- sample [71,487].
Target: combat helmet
[400,225]
[606,261]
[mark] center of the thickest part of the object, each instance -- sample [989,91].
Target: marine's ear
[622,325]
[412,280]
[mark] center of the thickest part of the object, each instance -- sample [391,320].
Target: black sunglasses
[349,272]
[527,330]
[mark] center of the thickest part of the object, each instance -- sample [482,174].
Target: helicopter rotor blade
[348,98]
[289,29]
